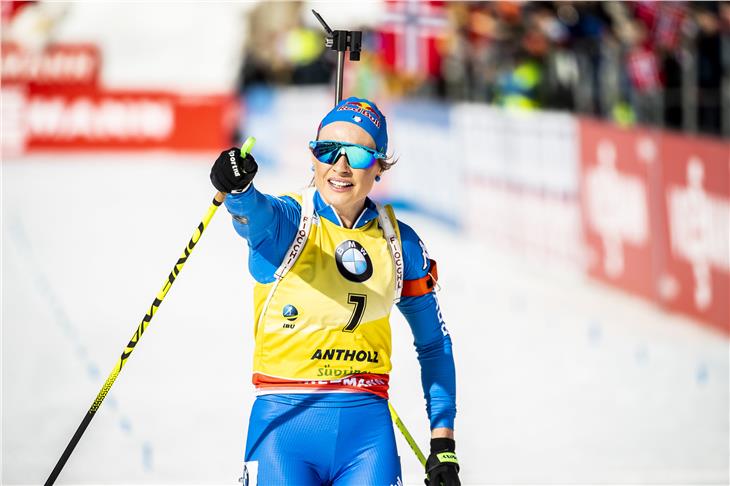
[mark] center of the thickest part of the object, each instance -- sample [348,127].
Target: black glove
[442,467]
[231,172]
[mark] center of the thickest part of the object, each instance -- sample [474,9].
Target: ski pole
[409,438]
[217,201]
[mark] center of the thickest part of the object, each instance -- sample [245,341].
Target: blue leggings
[317,440]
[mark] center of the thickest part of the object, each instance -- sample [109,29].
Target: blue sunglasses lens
[325,152]
[358,157]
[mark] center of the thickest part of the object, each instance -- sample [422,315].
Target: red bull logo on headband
[362,108]
[363,113]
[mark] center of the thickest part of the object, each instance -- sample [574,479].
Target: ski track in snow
[560,380]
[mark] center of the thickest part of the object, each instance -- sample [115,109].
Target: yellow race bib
[325,324]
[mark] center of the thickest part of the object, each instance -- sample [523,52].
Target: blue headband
[362,113]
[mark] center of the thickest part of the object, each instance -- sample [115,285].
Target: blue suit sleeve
[431,338]
[268,224]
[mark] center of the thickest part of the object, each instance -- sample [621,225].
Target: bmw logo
[290,312]
[353,261]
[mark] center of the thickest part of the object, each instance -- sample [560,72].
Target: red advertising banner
[56,119]
[615,191]
[656,217]
[57,65]
[53,100]
[695,210]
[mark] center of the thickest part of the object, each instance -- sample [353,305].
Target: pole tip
[247,146]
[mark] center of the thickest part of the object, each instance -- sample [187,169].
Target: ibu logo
[353,261]
[290,312]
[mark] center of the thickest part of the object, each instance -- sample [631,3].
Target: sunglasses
[358,156]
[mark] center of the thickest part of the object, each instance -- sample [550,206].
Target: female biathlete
[328,264]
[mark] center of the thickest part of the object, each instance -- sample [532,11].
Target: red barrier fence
[656,217]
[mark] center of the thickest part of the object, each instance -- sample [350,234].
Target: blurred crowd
[624,60]
[664,64]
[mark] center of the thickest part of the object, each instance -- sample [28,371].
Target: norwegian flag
[410,34]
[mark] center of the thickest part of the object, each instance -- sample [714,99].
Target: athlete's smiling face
[339,184]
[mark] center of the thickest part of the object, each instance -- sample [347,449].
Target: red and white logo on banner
[114,120]
[615,200]
[57,65]
[617,208]
[699,224]
[100,117]
[695,180]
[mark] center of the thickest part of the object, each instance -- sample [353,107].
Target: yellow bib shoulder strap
[388,223]
[306,201]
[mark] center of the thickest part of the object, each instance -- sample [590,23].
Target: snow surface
[560,380]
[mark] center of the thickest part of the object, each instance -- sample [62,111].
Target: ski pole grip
[245,150]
